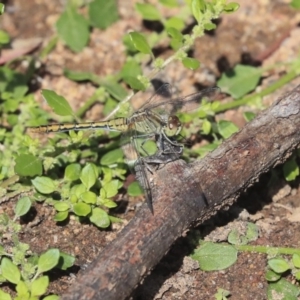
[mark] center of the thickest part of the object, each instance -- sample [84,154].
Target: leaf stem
[267,249]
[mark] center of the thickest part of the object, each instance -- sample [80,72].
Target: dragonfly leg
[177,149]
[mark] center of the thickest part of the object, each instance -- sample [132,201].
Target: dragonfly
[155,120]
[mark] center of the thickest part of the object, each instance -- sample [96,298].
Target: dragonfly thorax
[173,127]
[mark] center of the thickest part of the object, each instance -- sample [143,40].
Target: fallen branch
[178,200]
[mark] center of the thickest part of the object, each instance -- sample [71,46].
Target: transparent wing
[141,176]
[189,102]
[163,104]
[131,141]
[160,102]
[136,163]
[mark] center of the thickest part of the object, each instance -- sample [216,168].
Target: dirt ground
[261,32]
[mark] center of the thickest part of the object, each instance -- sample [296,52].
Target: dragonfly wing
[130,152]
[134,160]
[164,104]
[192,101]
[141,175]
[160,102]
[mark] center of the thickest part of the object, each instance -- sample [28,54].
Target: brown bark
[178,199]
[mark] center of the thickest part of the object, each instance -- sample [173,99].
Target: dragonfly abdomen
[119,124]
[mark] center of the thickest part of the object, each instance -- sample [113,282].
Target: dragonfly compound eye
[174,126]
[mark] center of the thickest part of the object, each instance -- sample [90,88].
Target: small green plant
[222,294]
[19,266]
[212,256]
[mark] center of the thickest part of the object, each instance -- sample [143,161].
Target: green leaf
[222,294]
[112,157]
[89,175]
[103,13]
[78,76]
[198,8]
[226,128]
[28,165]
[175,34]
[4,219]
[115,219]
[65,261]
[191,63]
[62,206]
[39,286]
[111,188]
[22,207]
[1,8]
[296,260]
[22,290]
[206,127]
[129,44]
[297,275]
[175,23]
[272,276]
[134,83]
[77,190]
[282,289]
[89,197]
[44,185]
[48,260]
[248,116]
[109,203]
[100,218]
[73,28]
[237,237]
[148,11]
[3,295]
[10,271]
[169,3]
[240,81]
[252,232]
[4,37]
[231,7]
[58,103]
[140,43]
[10,105]
[278,265]
[295,4]
[212,257]
[290,169]
[134,189]
[115,89]
[130,69]
[12,119]
[51,297]
[72,172]
[61,216]
[81,209]
[210,26]
[175,44]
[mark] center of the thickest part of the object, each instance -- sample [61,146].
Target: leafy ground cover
[63,188]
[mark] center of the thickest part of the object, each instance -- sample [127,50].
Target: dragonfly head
[173,127]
